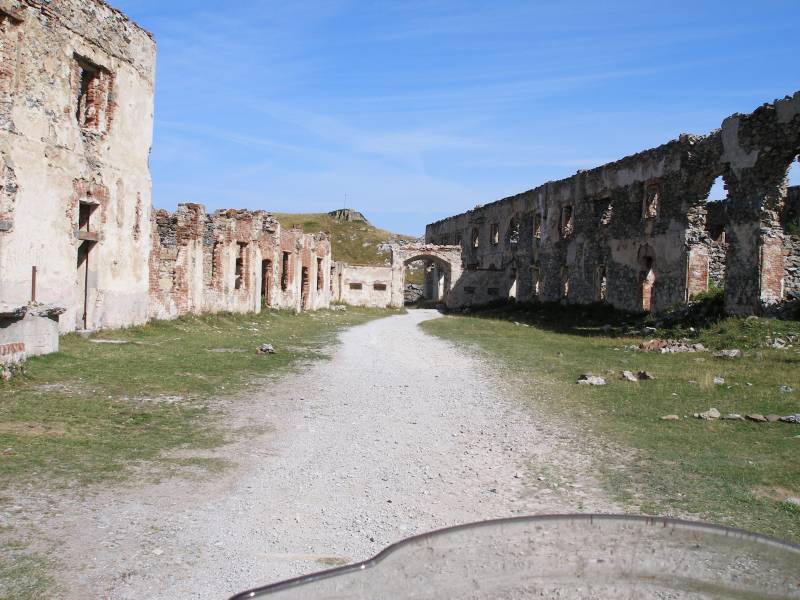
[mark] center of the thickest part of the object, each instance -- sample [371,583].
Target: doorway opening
[83,267]
[266,283]
[304,290]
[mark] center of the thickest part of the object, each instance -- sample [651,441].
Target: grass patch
[353,242]
[23,576]
[735,473]
[83,414]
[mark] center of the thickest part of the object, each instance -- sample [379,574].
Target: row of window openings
[378,287]
[240,279]
[649,211]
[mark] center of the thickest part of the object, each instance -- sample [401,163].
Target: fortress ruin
[640,233]
[82,249]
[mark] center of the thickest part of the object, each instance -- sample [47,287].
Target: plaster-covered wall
[359,285]
[76,112]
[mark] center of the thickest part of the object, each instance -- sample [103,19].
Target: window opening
[652,195]
[495,234]
[356,286]
[94,92]
[475,237]
[566,221]
[513,232]
[379,287]
[537,226]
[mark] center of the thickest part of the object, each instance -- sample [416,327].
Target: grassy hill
[355,242]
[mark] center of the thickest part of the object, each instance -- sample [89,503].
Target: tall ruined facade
[640,233]
[234,261]
[76,114]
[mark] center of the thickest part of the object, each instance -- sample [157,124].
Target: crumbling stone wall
[234,261]
[383,287]
[792,241]
[634,233]
[76,106]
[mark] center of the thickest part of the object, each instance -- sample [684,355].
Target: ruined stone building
[80,247]
[76,114]
[384,286]
[235,261]
[640,233]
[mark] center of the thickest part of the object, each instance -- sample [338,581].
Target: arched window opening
[512,290]
[715,210]
[475,241]
[512,236]
[647,277]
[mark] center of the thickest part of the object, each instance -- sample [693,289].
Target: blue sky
[418,110]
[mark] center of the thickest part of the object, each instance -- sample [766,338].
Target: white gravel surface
[399,433]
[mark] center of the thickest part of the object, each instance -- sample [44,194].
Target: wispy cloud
[415,108]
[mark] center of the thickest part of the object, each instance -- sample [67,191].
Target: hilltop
[354,240]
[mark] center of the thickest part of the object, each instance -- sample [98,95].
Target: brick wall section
[193,262]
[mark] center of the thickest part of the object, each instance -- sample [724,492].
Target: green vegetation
[732,472]
[121,399]
[353,242]
[83,414]
[23,576]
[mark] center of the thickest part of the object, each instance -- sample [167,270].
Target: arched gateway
[444,270]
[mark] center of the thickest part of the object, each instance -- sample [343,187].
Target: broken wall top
[98,23]
[771,133]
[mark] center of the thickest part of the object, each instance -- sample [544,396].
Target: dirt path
[398,434]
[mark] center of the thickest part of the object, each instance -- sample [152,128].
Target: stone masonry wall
[76,110]
[234,261]
[633,233]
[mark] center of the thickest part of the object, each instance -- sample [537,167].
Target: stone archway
[446,263]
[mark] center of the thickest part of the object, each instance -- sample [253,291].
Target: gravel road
[399,433]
